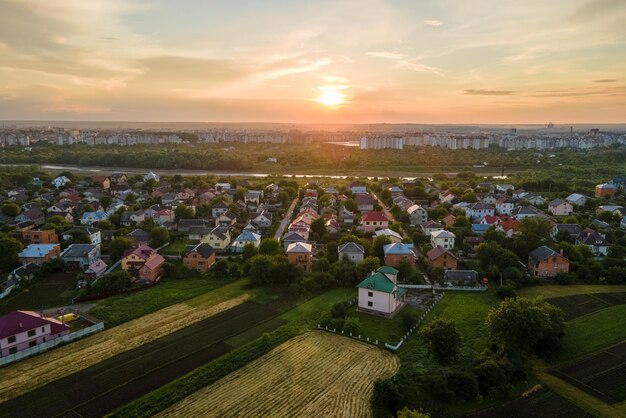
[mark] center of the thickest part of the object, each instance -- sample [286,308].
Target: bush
[351,325]
[409,320]
[506,292]
[385,398]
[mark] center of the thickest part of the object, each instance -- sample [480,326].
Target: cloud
[481,92]
[387,54]
[432,22]
[421,68]
[606,80]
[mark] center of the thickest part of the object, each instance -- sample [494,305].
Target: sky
[322,61]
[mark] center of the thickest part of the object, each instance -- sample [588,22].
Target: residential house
[571,231]
[505,206]
[351,251]
[81,255]
[333,226]
[535,199]
[596,241]
[606,190]
[301,254]
[577,199]
[199,257]
[34,215]
[60,181]
[504,187]
[40,236]
[94,234]
[446,197]
[138,237]
[245,238]
[545,262]
[132,218]
[262,219]
[379,293]
[117,178]
[417,215]
[219,238]
[253,197]
[293,237]
[442,238]
[393,236]
[365,202]
[39,253]
[185,225]
[95,270]
[441,258]
[151,176]
[523,212]
[226,219]
[374,220]
[560,207]
[103,181]
[431,226]
[145,261]
[90,218]
[394,254]
[449,220]
[20,330]
[358,188]
[479,210]
[345,216]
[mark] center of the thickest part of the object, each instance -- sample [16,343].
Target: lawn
[383,329]
[307,314]
[119,309]
[58,289]
[591,332]
[177,246]
[552,291]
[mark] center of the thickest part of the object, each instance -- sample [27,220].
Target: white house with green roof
[379,293]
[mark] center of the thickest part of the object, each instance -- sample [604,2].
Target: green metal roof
[377,281]
[387,270]
[401,291]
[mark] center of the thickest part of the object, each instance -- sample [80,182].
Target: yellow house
[219,238]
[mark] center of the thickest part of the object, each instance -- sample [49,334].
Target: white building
[443,239]
[379,294]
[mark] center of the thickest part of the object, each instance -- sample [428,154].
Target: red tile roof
[375,216]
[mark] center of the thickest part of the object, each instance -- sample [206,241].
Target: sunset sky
[362,61]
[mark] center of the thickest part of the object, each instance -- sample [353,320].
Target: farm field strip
[602,375]
[315,374]
[574,306]
[121,379]
[63,361]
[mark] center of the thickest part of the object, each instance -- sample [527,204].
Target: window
[370,304]
[32,343]
[11,340]
[43,329]
[32,333]
[370,294]
[12,350]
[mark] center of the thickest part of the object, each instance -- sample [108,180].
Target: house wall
[380,301]
[195,261]
[561,210]
[23,341]
[301,259]
[373,225]
[40,237]
[354,257]
[550,267]
[447,243]
[394,260]
[148,274]
[445,262]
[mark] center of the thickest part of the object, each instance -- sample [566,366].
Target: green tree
[159,236]
[269,246]
[378,247]
[10,209]
[526,325]
[118,246]
[442,339]
[115,282]
[183,212]
[9,248]
[318,227]
[409,413]
[249,250]
[368,265]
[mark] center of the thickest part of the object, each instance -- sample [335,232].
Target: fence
[7,292]
[388,346]
[12,358]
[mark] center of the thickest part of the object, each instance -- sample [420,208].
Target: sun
[330,96]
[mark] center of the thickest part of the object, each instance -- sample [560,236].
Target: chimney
[561,252]
[21,326]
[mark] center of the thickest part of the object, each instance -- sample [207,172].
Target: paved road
[386,210]
[285,220]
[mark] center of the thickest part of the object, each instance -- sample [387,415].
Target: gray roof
[78,250]
[541,253]
[351,247]
[572,229]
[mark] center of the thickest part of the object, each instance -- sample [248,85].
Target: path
[285,221]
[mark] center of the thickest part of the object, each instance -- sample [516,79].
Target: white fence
[12,358]
[7,292]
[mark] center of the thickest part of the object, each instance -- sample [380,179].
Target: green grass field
[383,329]
[591,332]
[119,309]
[55,290]
[551,291]
[176,247]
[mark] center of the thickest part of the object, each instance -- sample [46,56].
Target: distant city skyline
[366,61]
